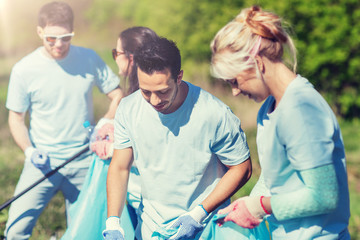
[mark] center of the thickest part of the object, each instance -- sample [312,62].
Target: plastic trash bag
[230,231]
[164,233]
[88,214]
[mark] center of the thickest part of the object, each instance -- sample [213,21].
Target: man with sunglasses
[54,84]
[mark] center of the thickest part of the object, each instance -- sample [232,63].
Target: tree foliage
[326,33]
[328,43]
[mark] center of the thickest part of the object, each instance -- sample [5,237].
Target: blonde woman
[300,147]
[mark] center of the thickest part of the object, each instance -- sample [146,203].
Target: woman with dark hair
[129,40]
[88,214]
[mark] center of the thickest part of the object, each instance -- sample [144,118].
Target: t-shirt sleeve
[121,135]
[106,79]
[18,99]
[307,131]
[230,143]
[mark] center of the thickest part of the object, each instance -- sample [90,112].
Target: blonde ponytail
[233,46]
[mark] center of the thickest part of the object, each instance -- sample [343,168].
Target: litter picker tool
[47,175]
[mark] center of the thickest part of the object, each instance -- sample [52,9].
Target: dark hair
[132,39]
[159,55]
[56,14]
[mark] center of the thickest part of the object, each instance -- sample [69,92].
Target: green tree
[326,33]
[328,44]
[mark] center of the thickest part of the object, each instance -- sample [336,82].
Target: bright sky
[4,38]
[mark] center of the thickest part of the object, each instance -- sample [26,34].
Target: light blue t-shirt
[302,133]
[181,156]
[58,96]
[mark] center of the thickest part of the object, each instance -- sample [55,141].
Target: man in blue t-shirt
[54,84]
[189,148]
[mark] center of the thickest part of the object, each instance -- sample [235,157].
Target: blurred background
[326,33]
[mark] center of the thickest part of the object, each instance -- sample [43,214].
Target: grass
[351,134]
[52,221]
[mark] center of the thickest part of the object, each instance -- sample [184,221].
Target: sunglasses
[115,53]
[53,38]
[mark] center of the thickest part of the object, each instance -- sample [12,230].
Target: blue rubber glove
[189,224]
[113,235]
[38,157]
[113,230]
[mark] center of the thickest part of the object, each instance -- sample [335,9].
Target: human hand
[189,223]
[106,132]
[105,129]
[103,148]
[246,212]
[103,145]
[113,229]
[113,235]
[38,157]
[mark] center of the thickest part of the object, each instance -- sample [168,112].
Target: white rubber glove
[38,157]
[189,223]
[103,121]
[113,229]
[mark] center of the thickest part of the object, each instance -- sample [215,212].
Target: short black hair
[159,55]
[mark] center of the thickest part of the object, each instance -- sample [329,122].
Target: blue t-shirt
[58,96]
[181,156]
[302,133]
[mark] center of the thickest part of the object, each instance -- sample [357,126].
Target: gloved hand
[38,157]
[189,223]
[103,146]
[104,149]
[106,132]
[246,212]
[113,230]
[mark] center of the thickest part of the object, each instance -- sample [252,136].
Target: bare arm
[19,130]
[231,182]
[117,179]
[115,96]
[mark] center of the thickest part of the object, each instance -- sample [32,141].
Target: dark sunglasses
[53,38]
[115,53]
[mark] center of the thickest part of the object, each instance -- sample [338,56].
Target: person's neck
[181,95]
[278,78]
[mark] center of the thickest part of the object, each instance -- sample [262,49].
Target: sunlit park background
[326,32]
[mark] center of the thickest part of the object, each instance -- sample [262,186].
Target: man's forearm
[116,191]
[18,129]
[229,184]
[116,185]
